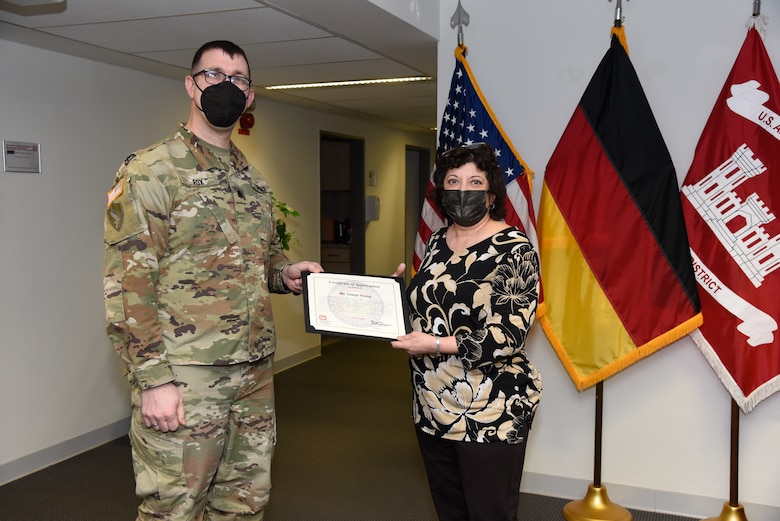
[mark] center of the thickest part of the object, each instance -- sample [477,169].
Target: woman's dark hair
[481,154]
[229,48]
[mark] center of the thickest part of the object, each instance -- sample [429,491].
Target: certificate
[355,305]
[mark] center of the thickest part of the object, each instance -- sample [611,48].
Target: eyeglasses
[470,146]
[216,77]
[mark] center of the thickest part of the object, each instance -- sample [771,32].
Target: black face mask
[465,207]
[222,104]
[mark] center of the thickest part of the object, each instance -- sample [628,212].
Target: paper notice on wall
[19,156]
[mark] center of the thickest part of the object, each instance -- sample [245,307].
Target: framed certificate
[355,305]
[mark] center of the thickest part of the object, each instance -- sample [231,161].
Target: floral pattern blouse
[486,296]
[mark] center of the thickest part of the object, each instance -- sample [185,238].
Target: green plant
[285,236]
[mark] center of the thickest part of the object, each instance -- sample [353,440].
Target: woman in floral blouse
[472,302]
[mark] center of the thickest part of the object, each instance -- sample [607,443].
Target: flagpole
[619,12]
[596,505]
[733,511]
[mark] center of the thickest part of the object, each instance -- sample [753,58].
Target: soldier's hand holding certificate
[355,305]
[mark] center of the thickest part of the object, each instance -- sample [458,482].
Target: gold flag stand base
[595,506]
[730,513]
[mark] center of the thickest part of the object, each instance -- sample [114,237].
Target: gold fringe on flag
[620,32]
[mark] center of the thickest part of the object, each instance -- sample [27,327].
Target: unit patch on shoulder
[115,215]
[122,219]
[114,212]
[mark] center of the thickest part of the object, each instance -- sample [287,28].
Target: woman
[472,303]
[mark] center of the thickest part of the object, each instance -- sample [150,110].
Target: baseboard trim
[664,502]
[660,501]
[36,461]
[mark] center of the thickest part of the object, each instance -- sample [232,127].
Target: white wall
[667,418]
[61,385]
[59,378]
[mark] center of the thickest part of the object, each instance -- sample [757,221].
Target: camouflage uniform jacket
[191,254]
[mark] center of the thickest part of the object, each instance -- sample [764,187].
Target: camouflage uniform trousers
[218,466]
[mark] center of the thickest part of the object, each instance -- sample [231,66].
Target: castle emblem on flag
[738,224]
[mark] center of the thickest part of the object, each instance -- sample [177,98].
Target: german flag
[616,267]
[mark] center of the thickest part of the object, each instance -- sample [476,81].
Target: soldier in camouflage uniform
[191,254]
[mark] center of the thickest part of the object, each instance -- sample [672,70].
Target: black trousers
[473,481]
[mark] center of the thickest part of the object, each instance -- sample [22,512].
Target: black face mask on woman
[465,207]
[222,103]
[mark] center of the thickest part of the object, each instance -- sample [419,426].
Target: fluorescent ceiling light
[349,83]
[29,3]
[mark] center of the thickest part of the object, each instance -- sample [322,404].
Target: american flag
[468,119]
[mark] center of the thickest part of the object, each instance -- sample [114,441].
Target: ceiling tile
[78,12]
[286,41]
[244,27]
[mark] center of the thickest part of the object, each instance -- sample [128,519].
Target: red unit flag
[731,197]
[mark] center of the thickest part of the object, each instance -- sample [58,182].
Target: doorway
[418,172]
[342,208]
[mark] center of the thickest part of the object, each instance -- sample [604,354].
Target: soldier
[191,255]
